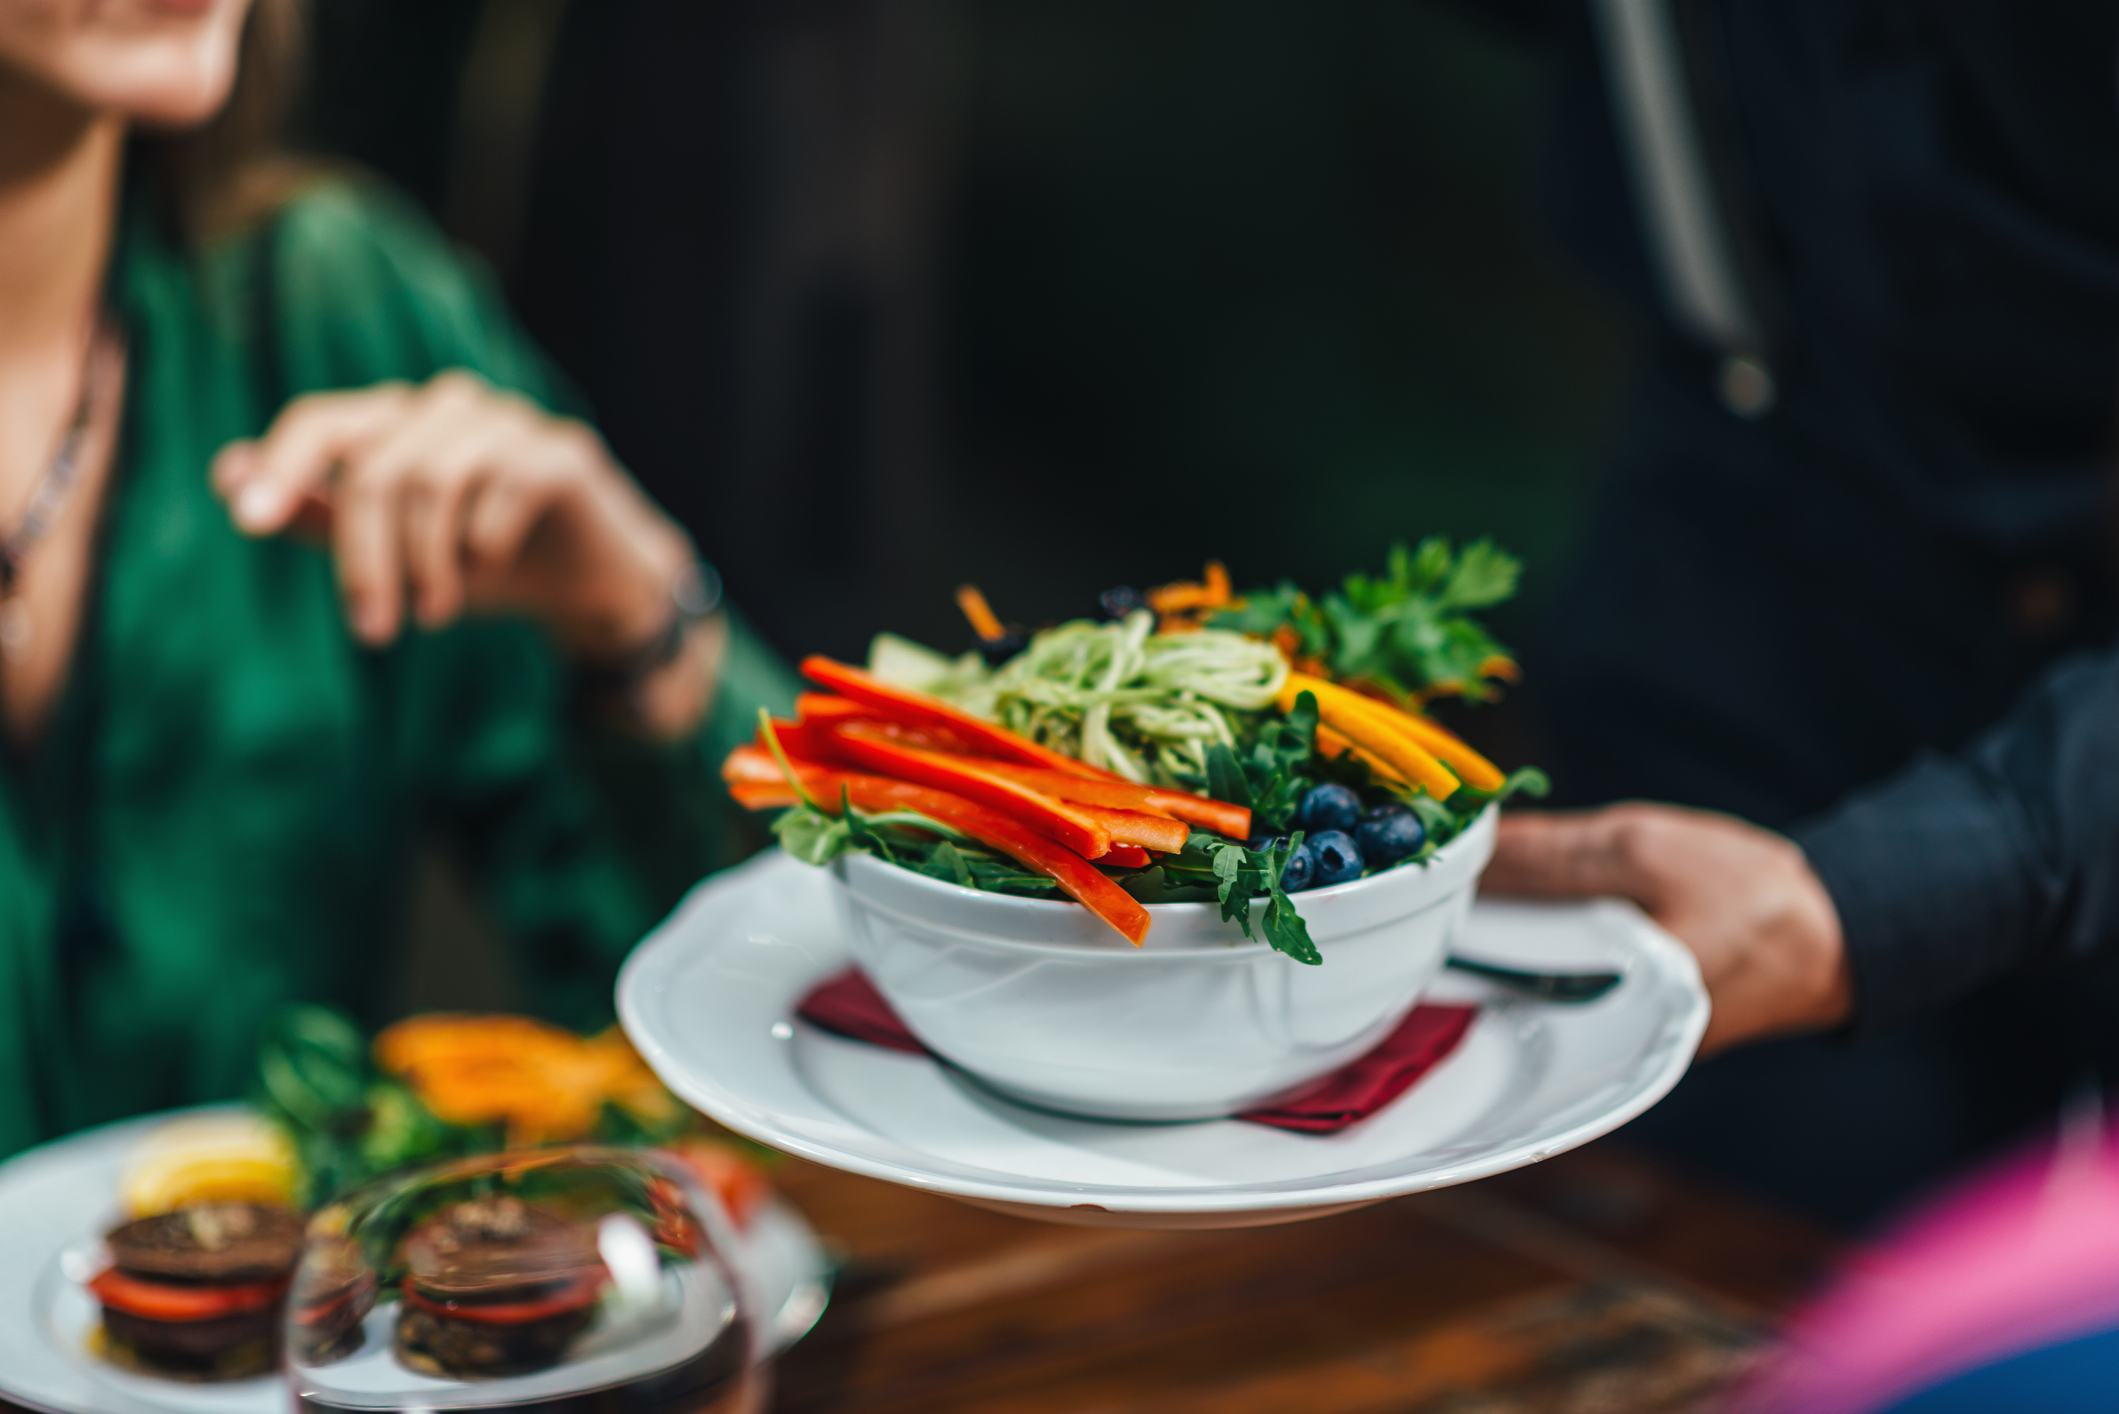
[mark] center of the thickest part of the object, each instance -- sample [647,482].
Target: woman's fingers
[429,465]
[459,495]
[368,542]
[507,510]
[266,482]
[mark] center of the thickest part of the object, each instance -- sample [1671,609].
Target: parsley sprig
[1408,630]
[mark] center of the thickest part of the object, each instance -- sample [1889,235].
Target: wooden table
[1594,1282]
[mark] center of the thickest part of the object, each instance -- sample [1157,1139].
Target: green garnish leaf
[1484,575]
[1286,931]
[810,835]
[952,858]
[1525,780]
[1407,630]
[1225,779]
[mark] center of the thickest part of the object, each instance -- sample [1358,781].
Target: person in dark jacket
[1852,579]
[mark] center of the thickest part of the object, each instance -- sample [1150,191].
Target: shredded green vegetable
[1148,706]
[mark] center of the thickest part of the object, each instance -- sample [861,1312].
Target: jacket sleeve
[2003,856]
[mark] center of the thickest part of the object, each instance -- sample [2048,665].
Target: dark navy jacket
[1882,614]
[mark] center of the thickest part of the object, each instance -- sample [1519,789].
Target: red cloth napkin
[849,1005]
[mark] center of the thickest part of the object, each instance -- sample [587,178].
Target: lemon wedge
[228,1158]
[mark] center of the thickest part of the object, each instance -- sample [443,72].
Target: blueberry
[1121,600]
[1328,807]
[1302,865]
[1338,857]
[1390,833]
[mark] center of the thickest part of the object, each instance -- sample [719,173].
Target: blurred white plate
[56,1201]
[709,999]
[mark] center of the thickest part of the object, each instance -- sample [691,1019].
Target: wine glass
[576,1280]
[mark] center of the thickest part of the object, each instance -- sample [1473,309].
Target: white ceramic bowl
[1043,1001]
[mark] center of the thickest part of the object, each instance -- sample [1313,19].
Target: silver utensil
[1545,986]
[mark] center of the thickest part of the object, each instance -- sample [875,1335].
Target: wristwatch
[611,681]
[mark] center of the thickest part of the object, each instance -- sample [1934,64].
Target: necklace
[47,500]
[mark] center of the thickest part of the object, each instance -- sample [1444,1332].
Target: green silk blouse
[222,813]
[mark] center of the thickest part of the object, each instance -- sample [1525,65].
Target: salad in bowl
[1164,865]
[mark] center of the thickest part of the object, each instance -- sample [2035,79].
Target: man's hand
[1743,899]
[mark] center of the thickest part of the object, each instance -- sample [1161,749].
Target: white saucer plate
[55,1203]
[709,999]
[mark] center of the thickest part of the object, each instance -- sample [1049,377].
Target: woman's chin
[173,91]
[163,63]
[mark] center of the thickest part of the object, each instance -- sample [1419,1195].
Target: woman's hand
[456,497]
[1745,901]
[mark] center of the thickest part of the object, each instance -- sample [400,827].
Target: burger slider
[496,1286]
[196,1293]
[334,1290]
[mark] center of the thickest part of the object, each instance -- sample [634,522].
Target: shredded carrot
[984,622]
[1183,607]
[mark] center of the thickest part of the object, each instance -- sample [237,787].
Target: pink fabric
[2020,1257]
[850,1005]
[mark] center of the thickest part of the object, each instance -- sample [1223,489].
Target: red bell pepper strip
[810,741]
[1137,827]
[1081,880]
[964,775]
[1219,816]
[1076,876]
[754,765]
[1126,856]
[825,707]
[924,710]
[927,738]
[764,795]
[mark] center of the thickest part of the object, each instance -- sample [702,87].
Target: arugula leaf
[952,858]
[1160,884]
[1286,931]
[1284,928]
[1225,778]
[810,835]
[1228,870]
[1276,769]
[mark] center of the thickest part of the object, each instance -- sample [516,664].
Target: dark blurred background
[883,295]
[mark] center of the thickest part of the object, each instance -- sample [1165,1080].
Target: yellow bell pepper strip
[1335,744]
[1222,818]
[922,709]
[1371,724]
[1076,876]
[1445,745]
[866,746]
